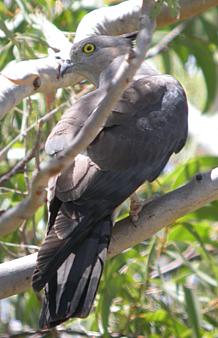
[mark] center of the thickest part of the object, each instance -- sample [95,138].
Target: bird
[146,126]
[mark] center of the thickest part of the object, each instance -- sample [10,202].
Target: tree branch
[166,210]
[24,78]
[167,39]
[123,18]
[189,9]
[12,218]
[15,275]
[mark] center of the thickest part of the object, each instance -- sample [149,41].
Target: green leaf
[210,29]
[167,62]
[151,251]
[184,172]
[157,316]
[193,311]
[181,233]
[205,60]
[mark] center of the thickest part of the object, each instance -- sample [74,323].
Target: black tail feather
[71,291]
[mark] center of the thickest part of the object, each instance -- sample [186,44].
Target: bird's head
[91,56]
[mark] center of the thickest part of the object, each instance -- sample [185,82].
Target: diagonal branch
[19,167]
[15,276]
[167,39]
[14,217]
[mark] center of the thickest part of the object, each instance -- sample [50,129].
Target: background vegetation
[164,287]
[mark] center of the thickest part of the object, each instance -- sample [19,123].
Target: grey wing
[64,191]
[71,122]
[148,124]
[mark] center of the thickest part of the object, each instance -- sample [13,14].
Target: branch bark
[14,217]
[15,276]
[22,79]
[189,9]
[123,18]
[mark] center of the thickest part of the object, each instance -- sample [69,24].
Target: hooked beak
[66,67]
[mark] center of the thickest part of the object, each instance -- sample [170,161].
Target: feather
[71,290]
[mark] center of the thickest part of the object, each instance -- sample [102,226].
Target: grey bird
[148,124]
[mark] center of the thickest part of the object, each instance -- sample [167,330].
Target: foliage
[163,287]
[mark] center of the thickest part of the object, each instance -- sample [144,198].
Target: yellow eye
[88,48]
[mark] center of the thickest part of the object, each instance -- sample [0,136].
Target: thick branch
[123,18]
[189,8]
[15,276]
[12,218]
[166,210]
[22,79]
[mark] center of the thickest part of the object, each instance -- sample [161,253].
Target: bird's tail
[70,292]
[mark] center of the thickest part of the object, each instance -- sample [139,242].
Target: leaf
[184,172]
[181,50]
[210,29]
[204,278]
[209,213]
[7,32]
[195,234]
[181,233]
[167,61]
[205,60]
[157,316]
[193,311]
[151,251]
[174,7]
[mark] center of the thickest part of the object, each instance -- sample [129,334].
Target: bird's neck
[105,77]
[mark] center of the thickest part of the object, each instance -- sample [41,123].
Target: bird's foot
[136,206]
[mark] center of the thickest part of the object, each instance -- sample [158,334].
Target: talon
[136,206]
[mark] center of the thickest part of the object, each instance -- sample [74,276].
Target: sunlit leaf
[193,311]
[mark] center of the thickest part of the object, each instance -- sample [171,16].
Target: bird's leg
[136,206]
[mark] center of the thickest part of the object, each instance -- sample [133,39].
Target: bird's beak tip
[66,67]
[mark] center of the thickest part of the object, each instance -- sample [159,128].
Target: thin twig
[8,252]
[16,191]
[164,43]
[21,246]
[25,113]
[23,236]
[42,120]
[37,147]
[18,167]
